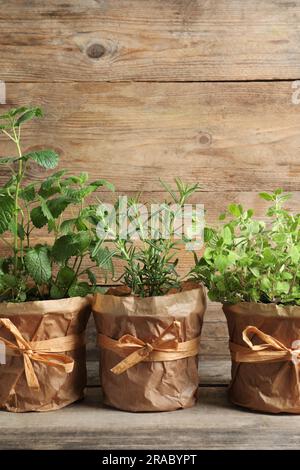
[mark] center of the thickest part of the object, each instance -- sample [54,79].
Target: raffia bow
[49,352]
[271,350]
[167,347]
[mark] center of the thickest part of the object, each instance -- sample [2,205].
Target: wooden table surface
[212,424]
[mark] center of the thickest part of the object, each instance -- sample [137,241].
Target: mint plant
[249,260]
[150,261]
[41,271]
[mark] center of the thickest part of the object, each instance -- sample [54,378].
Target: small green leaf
[79,290]
[294,254]
[6,161]
[27,115]
[227,236]
[235,210]
[282,287]
[47,159]
[266,196]
[91,276]
[9,280]
[38,264]
[56,292]
[65,276]
[6,211]
[37,217]
[67,226]
[28,193]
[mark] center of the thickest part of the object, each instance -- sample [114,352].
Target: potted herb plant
[149,328]
[252,267]
[44,287]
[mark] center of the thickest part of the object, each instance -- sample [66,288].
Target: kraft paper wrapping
[151,385]
[268,380]
[39,321]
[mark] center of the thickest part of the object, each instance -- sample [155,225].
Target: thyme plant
[251,260]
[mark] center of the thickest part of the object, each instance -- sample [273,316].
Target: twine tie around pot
[49,352]
[166,347]
[272,350]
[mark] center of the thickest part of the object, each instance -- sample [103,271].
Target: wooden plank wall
[134,90]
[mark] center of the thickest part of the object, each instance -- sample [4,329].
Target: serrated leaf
[37,217]
[52,185]
[28,193]
[103,258]
[38,264]
[6,211]
[70,245]
[48,210]
[47,159]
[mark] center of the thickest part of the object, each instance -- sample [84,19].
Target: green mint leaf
[79,290]
[47,159]
[38,264]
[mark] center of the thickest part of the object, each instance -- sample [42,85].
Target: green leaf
[27,115]
[38,264]
[52,185]
[265,283]
[282,287]
[79,290]
[266,196]
[6,161]
[56,292]
[37,217]
[47,159]
[255,271]
[227,236]
[103,258]
[65,276]
[91,276]
[221,262]
[48,210]
[235,210]
[9,280]
[70,245]
[294,254]
[98,183]
[28,193]
[6,211]
[67,226]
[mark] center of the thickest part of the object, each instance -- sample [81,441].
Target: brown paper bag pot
[39,321]
[271,385]
[153,385]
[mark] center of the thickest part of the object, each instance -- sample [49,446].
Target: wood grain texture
[165,40]
[228,136]
[163,120]
[212,424]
